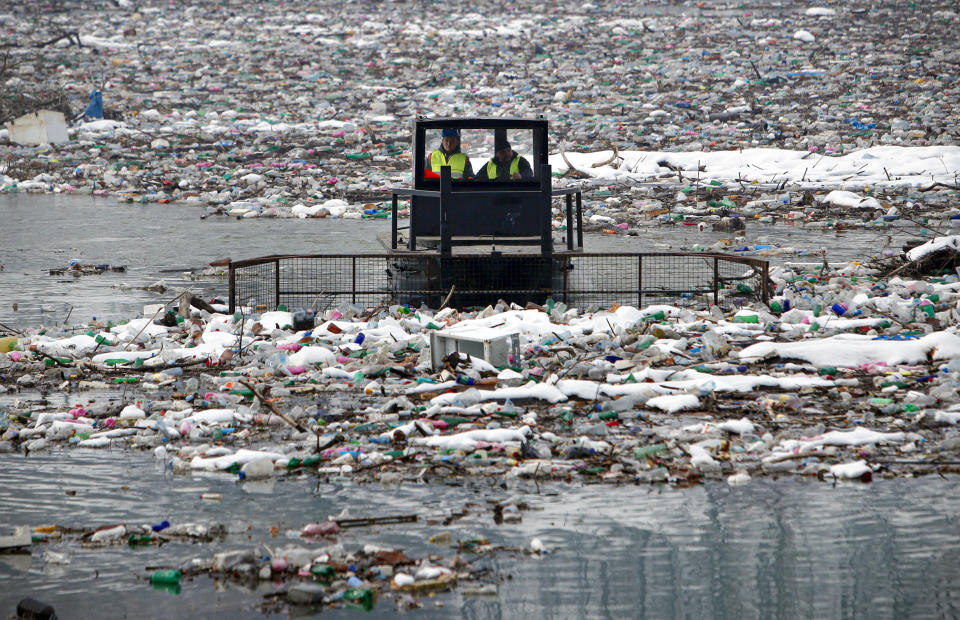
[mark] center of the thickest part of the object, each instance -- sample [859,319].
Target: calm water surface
[161,242]
[787,548]
[153,242]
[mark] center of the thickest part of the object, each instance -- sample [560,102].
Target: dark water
[161,242]
[788,548]
[153,242]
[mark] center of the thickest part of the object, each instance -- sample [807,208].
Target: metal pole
[546,195]
[427,282]
[393,227]
[765,288]
[569,201]
[353,289]
[579,220]
[716,281]
[276,283]
[446,197]
[233,288]
[639,281]
[412,231]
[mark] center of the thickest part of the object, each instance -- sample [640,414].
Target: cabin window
[479,144]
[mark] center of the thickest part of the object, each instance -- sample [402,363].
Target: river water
[787,548]
[161,242]
[775,548]
[153,242]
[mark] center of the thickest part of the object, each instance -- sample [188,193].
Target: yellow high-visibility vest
[457,163]
[492,168]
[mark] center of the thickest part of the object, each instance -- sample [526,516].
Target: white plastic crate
[493,345]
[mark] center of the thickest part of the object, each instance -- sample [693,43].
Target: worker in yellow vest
[505,164]
[449,154]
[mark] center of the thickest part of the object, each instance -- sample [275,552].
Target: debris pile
[305,111]
[842,367]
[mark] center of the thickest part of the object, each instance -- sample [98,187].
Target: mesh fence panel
[582,280]
[254,286]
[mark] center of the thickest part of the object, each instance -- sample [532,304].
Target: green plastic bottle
[166,576]
[360,596]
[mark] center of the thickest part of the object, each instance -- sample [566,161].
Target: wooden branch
[117,369]
[613,158]
[363,522]
[374,311]
[371,133]
[15,331]
[938,184]
[571,169]
[200,304]
[55,360]
[447,300]
[300,427]
[73,36]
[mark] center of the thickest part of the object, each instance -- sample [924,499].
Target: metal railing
[587,280]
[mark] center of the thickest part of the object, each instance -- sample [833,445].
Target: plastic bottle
[277,364]
[303,320]
[259,468]
[705,389]
[32,608]
[360,596]
[168,433]
[165,576]
[326,528]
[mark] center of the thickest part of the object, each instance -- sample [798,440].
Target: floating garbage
[334,139]
[77,268]
[849,376]
[849,364]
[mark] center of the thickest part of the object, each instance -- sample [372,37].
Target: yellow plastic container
[8,343]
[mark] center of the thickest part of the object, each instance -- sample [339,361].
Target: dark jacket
[503,170]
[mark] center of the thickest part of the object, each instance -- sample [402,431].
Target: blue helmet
[450,133]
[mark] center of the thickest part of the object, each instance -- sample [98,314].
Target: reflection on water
[773,549]
[160,242]
[154,242]
[788,548]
